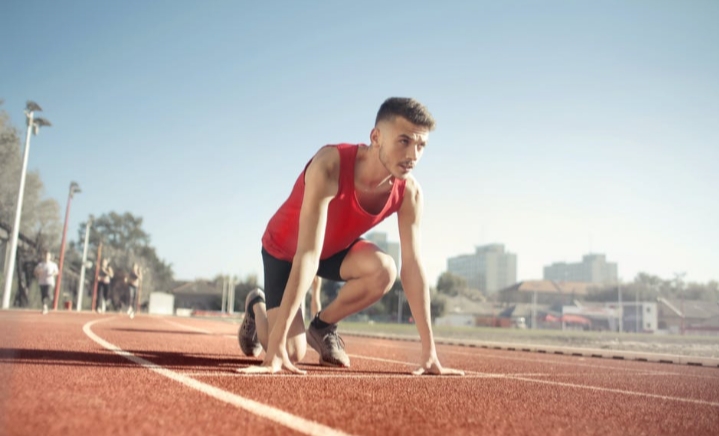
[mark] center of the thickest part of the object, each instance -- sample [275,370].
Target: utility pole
[679,283]
[74,188]
[81,285]
[98,265]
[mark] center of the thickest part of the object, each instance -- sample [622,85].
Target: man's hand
[431,366]
[276,359]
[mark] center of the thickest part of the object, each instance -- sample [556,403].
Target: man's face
[48,257]
[401,145]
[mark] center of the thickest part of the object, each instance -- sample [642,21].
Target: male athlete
[344,191]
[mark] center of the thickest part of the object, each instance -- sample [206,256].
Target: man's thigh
[363,259]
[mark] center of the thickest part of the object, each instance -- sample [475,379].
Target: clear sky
[563,127]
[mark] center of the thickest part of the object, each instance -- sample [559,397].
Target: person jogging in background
[45,273]
[133,282]
[344,191]
[103,286]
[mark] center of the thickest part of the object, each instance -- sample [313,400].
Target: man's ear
[375,136]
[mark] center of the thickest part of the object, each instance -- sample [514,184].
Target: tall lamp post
[621,305]
[81,285]
[74,188]
[33,127]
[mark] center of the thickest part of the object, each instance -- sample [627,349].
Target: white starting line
[281,417]
[313,428]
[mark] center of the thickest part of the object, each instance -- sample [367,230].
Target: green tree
[125,242]
[242,289]
[451,284]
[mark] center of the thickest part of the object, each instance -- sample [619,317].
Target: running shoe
[329,345]
[247,335]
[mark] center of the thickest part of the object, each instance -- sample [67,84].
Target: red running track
[87,374]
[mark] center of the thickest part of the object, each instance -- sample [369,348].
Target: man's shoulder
[327,157]
[411,185]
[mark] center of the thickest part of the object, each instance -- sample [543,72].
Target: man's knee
[385,275]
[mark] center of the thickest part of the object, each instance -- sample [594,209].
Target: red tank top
[346,219]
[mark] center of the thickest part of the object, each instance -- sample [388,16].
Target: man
[344,191]
[45,273]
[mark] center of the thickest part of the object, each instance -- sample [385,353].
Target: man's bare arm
[320,187]
[414,280]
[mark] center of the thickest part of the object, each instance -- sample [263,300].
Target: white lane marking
[187,327]
[329,375]
[484,352]
[364,376]
[570,385]
[281,417]
[616,391]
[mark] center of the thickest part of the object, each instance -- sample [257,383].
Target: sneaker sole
[249,351]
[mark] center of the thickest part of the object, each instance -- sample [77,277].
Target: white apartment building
[488,270]
[594,268]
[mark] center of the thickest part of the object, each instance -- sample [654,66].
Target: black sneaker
[329,345]
[247,335]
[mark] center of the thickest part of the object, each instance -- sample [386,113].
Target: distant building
[594,268]
[489,269]
[391,248]
[694,317]
[544,292]
[204,295]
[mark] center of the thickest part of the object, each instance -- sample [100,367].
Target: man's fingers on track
[444,371]
[418,371]
[256,370]
[295,369]
[450,371]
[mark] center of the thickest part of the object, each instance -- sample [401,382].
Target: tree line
[123,239]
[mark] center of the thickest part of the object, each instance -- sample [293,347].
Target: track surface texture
[81,373]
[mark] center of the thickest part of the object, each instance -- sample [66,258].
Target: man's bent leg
[369,274]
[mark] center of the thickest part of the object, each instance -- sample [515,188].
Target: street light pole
[636,310]
[74,187]
[81,285]
[33,127]
[224,295]
[621,305]
[680,286]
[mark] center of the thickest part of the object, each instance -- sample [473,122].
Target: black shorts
[277,273]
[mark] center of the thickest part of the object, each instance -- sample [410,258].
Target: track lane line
[187,327]
[563,384]
[617,391]
[273,414]
[570,385]
[489,354]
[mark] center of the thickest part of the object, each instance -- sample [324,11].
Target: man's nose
[413,152]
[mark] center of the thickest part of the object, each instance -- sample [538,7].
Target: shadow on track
[170,360]
[163,332]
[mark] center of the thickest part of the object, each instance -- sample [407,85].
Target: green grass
[555,337]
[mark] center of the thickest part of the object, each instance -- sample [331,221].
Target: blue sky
[564,127]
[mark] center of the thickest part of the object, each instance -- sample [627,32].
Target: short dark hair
[407,108]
